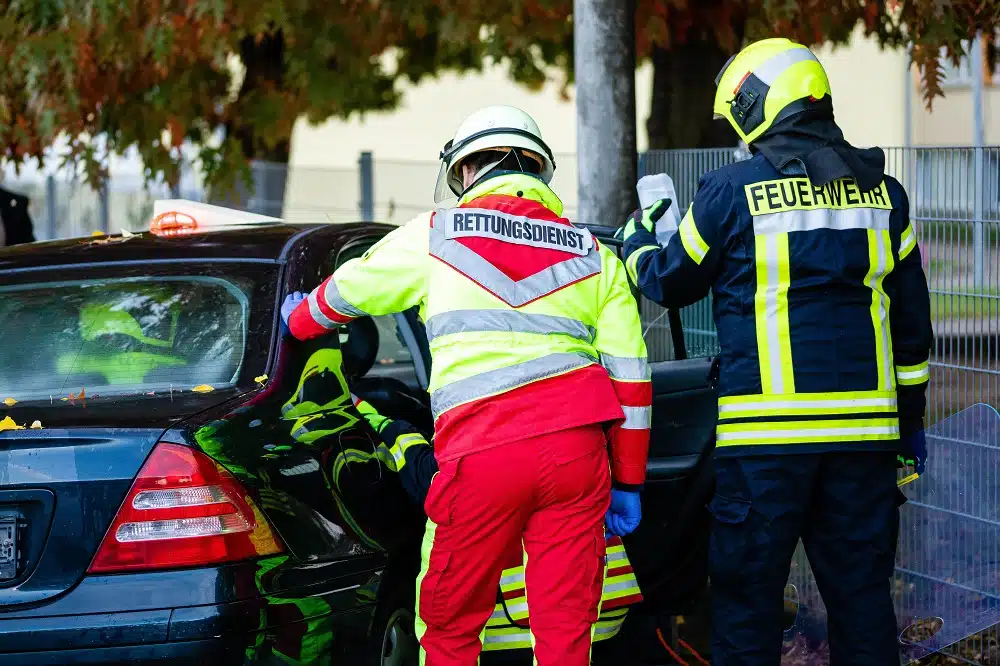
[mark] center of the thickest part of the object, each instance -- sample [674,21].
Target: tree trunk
[264,65]
[683,92]
[604,61]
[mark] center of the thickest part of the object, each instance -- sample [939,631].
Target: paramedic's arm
[682,272]
[623,354]
[414,457]
[910,322]
[389,278]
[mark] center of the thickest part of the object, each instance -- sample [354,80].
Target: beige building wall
[870,88]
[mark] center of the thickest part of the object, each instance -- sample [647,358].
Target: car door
[669,550]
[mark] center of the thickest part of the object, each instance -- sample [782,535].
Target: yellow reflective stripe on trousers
[693,243]
[881,264]
[774,347]
[419,626]
[511,638]
[632,263]
[907,242]
[913,375]
[806,432]
[807,404]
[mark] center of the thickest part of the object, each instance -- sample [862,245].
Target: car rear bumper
[164,618]
[219,652]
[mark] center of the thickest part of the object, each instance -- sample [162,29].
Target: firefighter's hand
[290,303]
[644,219]
[624,514]
[913,451]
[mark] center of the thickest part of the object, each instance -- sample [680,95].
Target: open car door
[669,550]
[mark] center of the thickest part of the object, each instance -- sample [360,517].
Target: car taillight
[183,510]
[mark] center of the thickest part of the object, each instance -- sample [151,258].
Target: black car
[181,484]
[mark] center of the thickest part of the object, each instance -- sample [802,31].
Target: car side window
[393,358]
[697,326]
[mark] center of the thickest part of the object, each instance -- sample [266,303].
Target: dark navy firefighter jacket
[820,302]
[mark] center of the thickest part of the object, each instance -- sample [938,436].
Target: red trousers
[550,493]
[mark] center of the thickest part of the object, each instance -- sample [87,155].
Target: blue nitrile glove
[913,451]
[290,303]
[644,219]
[625,512]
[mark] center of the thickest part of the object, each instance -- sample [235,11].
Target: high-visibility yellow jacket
[531,323]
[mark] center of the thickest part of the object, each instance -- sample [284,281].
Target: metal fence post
[978,218]
[104,208]
[366,173]
[51,209]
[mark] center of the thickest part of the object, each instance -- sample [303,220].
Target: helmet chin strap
[488,169]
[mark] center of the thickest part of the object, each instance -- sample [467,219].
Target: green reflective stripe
[774,348]
[907,242]
[317,313]
[632,263]
[514,293]
[806,404]
[693,243]
[333,298]
[506,321]
[637,418]
[502,380]
[402,445]
[769,70]
[617,587]
[626,368]
[912,375]
[880,264]
[806,432]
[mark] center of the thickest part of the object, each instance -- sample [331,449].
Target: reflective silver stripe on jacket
[821,218]
[514,293]
[626,368]
[637,418]
[337,302]
[510,321]
[769,70]
[504,379]
[317,313]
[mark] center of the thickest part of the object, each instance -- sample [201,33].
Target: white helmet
[499,128]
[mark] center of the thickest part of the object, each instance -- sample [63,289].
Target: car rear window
[107,337]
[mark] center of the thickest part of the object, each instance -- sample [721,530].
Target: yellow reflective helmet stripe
[913,375]
[693,243]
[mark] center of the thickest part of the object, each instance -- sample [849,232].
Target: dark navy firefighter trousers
[845,508]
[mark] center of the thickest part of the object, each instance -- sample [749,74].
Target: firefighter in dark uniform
[823,318]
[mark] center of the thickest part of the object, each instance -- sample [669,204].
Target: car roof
[265,242]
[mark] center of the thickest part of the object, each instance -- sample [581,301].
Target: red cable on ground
[666,646]
[694,653]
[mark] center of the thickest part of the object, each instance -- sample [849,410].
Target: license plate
[8,550]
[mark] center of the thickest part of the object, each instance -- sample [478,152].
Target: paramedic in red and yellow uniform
[539,369]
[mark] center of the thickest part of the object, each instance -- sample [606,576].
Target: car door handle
[676,467]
